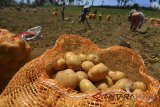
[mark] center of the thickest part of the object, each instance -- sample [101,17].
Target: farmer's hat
[86,6]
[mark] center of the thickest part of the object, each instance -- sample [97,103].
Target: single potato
[101,85]
[60,64]
[93,58]
[68,78]
[87,65]
[83,57]
[73,62]
[116,75]
[68,54]
[87,86]
[123,83]
[109,81]
[139,85]
[81,75]
[98,72]
[137,92]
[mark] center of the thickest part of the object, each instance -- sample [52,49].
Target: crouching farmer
[136,19]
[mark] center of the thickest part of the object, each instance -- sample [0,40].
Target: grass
[104,33]
[111,11]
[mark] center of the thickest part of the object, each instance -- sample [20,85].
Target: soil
[103,32]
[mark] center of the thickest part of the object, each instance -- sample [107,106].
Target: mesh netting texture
[32,86]
[14,53]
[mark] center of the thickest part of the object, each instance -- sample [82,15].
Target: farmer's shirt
[62,9]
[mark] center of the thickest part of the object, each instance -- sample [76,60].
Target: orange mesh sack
[14,53]
[32,85]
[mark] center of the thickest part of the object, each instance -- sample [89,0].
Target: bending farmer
[137,19]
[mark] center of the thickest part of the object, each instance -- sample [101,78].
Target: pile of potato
[85,73]
[92,16]
[155,21]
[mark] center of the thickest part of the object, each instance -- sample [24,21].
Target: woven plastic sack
[14,53]
[36,31]
[32,86]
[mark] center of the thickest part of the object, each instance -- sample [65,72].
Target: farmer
[84,13]
[62,10]
[130,14]
[137,19]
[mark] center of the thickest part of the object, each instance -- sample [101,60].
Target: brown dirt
[104,33]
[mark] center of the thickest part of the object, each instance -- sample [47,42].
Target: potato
[87,86]
[81,75]
[139,85]
[68,54]
[116,75]
[109,81]
[123,83]
[93,58]
[98,72]
[101,85]
[87,65]
[73,62]
[83,57]
[137,92]
[60,64]
[67,78]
